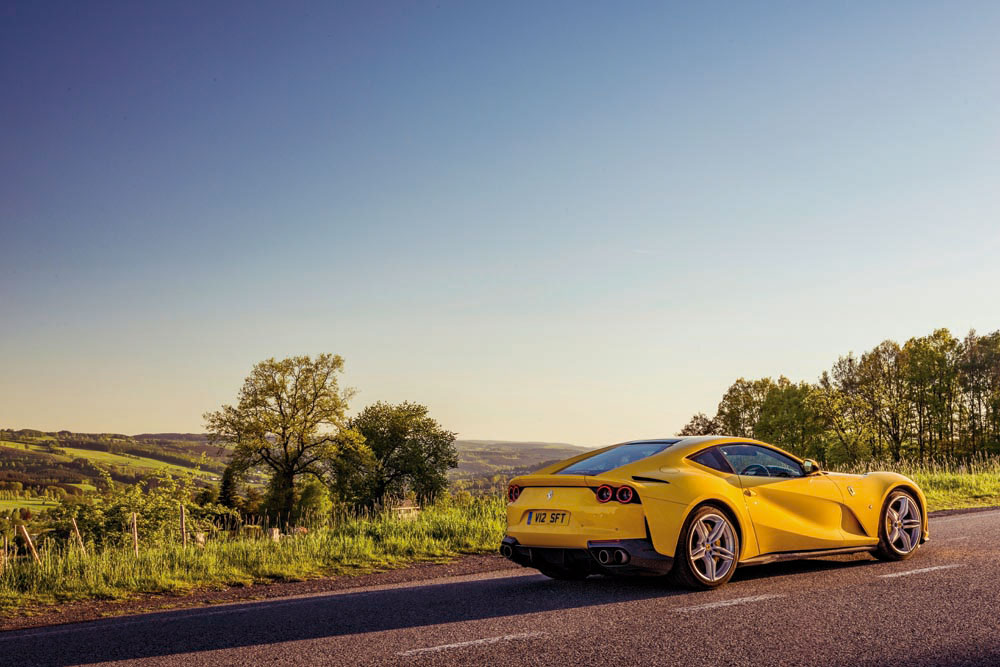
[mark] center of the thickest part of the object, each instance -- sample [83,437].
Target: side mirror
[810,467]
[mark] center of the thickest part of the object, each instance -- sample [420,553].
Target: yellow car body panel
[773,515]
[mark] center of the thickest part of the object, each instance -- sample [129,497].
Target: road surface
[941,607]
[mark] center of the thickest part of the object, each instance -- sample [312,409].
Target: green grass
[34,504]
[948,484]
[350,546]
[108,458]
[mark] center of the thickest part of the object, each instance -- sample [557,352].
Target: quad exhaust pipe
[506,551]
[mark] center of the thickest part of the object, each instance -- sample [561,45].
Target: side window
[756,461]
[713,459]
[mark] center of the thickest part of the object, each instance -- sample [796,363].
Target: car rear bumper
[635,556]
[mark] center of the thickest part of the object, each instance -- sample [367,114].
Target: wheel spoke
[892,514]
[702,532]
[709,567]
[894,535]
[725,554]
[907,545]
[904,507]
[911,523]
[716,532]
[698,553]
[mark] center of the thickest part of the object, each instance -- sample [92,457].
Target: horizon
[559,224]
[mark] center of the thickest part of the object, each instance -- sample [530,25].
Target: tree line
[933,396]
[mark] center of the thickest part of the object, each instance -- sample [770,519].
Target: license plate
[548,518]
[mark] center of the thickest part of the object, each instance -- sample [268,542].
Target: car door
[790,510]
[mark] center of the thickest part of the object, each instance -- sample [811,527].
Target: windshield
[616,458]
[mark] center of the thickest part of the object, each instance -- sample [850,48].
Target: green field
[110,459]
[34,504]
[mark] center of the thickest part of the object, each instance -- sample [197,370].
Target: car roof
[684,445]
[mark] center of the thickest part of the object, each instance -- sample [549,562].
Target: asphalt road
[941,607]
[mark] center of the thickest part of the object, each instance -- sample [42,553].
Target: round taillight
[625,494]
[605,493]
[513,491]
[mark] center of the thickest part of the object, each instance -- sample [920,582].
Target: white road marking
[728,603]
[919,571]
[473,642]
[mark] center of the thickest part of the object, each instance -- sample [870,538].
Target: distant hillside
[39,459]
[485,458]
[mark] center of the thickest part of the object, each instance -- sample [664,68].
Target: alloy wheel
[712,547]
[902,524]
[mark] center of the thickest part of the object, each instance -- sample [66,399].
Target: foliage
[412,452]
[351,544]
[933,396]
[105,519]
[289,418]
[701,424]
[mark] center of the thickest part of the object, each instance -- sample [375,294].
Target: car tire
[563,573]
[900,527]
[696,572]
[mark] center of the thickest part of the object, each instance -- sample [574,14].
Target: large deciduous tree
[289,418]
[412,451]
[739,409]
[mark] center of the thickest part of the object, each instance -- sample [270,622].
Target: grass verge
[948,484]
[352,546]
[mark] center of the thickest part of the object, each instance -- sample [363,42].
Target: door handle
[749,492]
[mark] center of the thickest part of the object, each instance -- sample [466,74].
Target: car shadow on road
[284,620]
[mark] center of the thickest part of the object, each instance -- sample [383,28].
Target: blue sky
[544,221]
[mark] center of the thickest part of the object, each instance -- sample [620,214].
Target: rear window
[616,458]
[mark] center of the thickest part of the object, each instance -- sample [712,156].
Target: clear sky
[545,221]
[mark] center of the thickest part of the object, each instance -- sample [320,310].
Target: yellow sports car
[699,506]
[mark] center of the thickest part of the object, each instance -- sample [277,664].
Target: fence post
[135,536]
[27,539]
[3,559]
[79,538]
[184,532]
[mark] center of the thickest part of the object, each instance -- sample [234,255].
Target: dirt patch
[89,610]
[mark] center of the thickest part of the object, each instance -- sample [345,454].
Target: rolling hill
[485,458]
[39,459]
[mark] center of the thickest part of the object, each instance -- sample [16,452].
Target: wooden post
[135,536]
[79,538]
[3,559]
[27,540]
[184,532]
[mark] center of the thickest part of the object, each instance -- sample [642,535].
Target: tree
[229,492]
[789,419]
[289,418]
[412,452]
[882,386]
[314,499]
[739,410]
[700,424]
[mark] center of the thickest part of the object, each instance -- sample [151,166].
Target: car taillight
[604,493]
[625,494]
[513,492]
